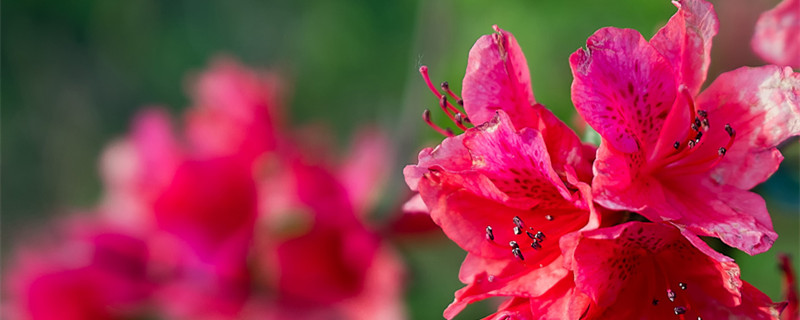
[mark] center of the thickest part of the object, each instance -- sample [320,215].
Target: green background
[74,73]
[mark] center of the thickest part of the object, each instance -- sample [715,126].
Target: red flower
[676,156]
[777,35]
[498,190]
[643,270]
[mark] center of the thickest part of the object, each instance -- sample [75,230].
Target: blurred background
[75,72]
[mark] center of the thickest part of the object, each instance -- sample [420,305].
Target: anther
[671,295]
[548,217]
[682,285]
[518,222]
[460,102]
[535,244]
[517,231]
[676,145]
[539,236]
[695,127]
[702,113]
[698,136]
[445,86]
[729,130]
[489,233]
[722,151]
[530,235]
[655,302]
[518,253]
[513,244]
[705,124]
[426,116]
[680,310]
[691,144]
[697,123]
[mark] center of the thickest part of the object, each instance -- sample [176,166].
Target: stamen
[446,88]
[679,310]
[518,253]
[426,116]
[729,130]
[518,222]
[445,107]
[424,71]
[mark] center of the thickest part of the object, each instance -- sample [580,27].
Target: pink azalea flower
[641,270]
[83,270]
[671,154]
[777,35]
[498,190]
[494,192]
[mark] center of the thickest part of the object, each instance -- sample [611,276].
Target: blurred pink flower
[248,209]
[777,35]
[81,270]
[671,154]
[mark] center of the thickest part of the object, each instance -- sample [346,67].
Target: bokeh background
[75,72]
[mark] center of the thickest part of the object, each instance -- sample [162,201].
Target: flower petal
[623,88]
[777,35]
[497,77]
[763,106]
[686,41]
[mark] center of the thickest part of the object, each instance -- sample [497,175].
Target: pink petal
[236,111]
[366,168]
[519,165]
[450,155]
[777,35]
[626,267]
[497,77]
[763,106]
[529,282]
[514,308]
[623,88]
[739,218]
[686,41]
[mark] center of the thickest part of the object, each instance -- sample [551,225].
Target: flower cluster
[567,230]
[233,219]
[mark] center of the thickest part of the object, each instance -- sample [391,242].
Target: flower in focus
[498,191]
[777,35]
[671,154]
[640,270]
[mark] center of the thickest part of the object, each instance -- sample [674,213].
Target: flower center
[691,155]
[521,234]
[458,117]
[677,301]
